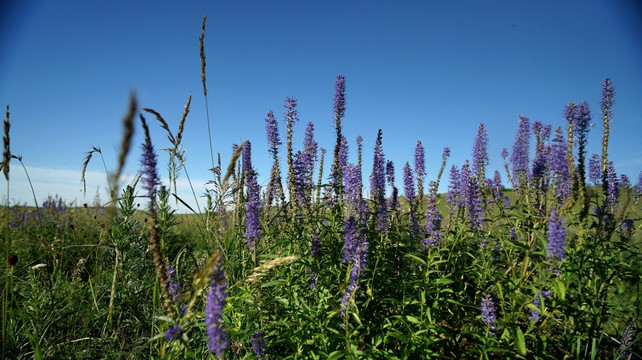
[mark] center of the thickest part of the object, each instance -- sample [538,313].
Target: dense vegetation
[311,266]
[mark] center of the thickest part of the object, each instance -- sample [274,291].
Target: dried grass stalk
[200,40]
[164,125]
[125,145]
[263,269]
[6,153]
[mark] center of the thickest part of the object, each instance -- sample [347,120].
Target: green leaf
[338,354]
[417,258]
[412,319]
[560,289]
[520,341]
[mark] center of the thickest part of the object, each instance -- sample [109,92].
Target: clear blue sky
[419,70]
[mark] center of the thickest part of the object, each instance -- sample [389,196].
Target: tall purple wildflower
[535,315]
[594,170]
[172,283]
[488,313]
[275,188]
[335,190]
[556,236]
[540,162]
[625,182]
[420,169]
[378,185]
[218,339]
[480,153]
[351,239]
[409,192]
[150,178]
[272,130]
[519,157]
[253,204]
[606,105]
[291,116]
[339,97]
[558,164]
[316,245]
[308,159]
[613,188]
[433,219]
[353,198]
[497,185]
[582,124]
[258,344]
[638,187]
[174,332]
[452,198]
[471,191]
[358,265]
[299,180]
[393,203]
[336,171]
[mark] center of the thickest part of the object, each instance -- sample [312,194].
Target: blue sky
[419,70]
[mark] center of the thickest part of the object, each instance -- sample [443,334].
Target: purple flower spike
[218,339]
[150,178]
[595,173]
[339,97]
[253,204]
[172,283]
[272,130]
[480,153]
[258,344]
[409,191]
[519,157]
[535,315]
[488,313]
[378,185]
[556,236]
[608,97]
[174,332]
[420,163]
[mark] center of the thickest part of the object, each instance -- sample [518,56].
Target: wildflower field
[541,261]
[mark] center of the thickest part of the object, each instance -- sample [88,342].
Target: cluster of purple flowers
[258,344]
[535,315]
[339,97]
[594,169]
[150,178]
[433,219]
[336,171]
[420,168]
[540,162]
[556,236]
[172,283]
[393,203]
[273,138]
[54,204]
[452,197]
[304,167]
[559,169]
[409,192]
[519,157]
[253,204]
[378,185]
[613,188]
[480,153]
[218,339]
[173,332]
[275,188]
[488,313]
